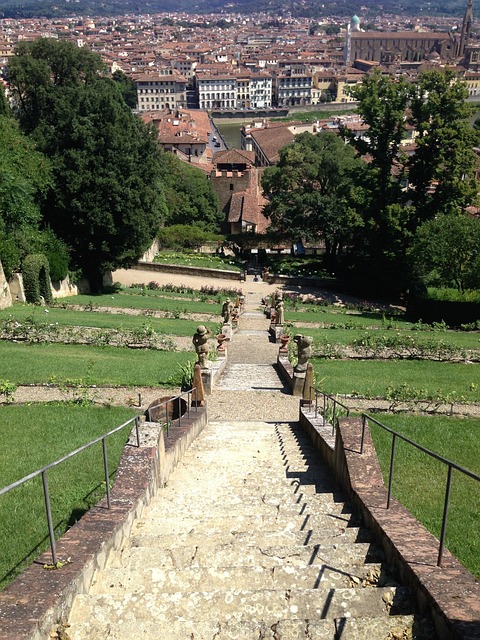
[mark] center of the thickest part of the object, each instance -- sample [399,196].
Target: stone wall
[192,271]
[5,295]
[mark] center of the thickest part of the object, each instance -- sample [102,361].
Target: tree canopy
[446,252]
[190,197]
[312,191]
[107,200]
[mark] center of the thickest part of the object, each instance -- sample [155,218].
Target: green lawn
[419,481]
[156,303]
[43,434]
[70,318]
[116,366]
[460,339]
[372,377]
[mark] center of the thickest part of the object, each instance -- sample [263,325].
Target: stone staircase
[250,539]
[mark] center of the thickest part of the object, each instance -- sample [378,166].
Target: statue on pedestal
[200,342]
[304,347]
[279,308]
[227,309]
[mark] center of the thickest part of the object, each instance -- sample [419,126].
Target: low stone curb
[39,599]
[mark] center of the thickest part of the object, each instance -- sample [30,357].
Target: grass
[109,366]
[460,339]
[155,303]
[201,260]
[43,434]
[71,317]
[419,481]
[372,377]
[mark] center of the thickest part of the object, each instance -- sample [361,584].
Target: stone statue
[279,308]
[227,309]
[200,342]
[304,346]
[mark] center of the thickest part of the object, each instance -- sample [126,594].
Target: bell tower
[466,29]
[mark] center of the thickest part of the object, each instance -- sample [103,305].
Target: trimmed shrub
[182,236]
[36,278]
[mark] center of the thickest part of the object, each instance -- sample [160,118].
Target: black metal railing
[329,407]
[450,467]
[103,439]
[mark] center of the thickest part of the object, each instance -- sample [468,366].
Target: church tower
[466,29]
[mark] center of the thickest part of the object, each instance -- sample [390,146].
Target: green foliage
[107,200]
[312,190]
[7,390]
[446,252]
[444,155]
[36,278]
[190,197]
[440,174]
[24,179]
[128,88]
[183,236]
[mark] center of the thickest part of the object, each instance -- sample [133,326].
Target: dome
[355,20]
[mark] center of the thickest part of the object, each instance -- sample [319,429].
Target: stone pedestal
[207,379]
[227,331]
[298,383]
[278,332]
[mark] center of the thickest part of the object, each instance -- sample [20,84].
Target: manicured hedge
[36,278]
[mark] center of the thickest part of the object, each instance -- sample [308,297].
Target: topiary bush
[36,278]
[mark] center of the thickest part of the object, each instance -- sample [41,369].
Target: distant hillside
[306,8]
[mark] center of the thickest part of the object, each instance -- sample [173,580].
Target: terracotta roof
[270,141]
[234,156]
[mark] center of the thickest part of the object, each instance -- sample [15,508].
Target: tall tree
[446,252]
[312,191]
[107,200]
[382,104]
[442,170]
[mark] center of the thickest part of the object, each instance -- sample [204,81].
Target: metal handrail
[326,398]
[451,465]
[191,398]
[103,439]
[51,465]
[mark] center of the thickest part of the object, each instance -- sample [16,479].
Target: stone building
[156,91]
[236,181]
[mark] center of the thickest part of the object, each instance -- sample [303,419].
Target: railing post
[189,398]
[137,429]
[51,531]
[316,403]
[390,476]
[324,406]
[334,416]
[179,411]
[445,515]
[166,415]
[364,424]
[105,467]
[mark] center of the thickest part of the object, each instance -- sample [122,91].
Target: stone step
[315,507]
[345,628]
[260,377]
[242,604]
[207,630]
[341,556]
[182,525]
[141,537]
[390,627]
[160,580]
